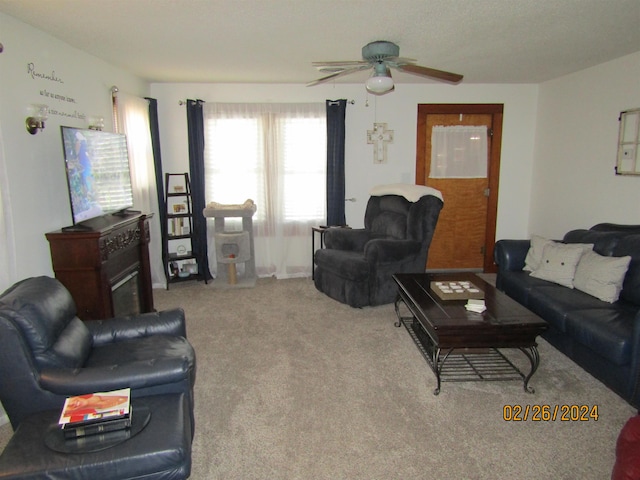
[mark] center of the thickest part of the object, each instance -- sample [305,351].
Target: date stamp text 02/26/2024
[550,413]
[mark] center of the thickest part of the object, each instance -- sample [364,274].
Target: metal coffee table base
[456,365]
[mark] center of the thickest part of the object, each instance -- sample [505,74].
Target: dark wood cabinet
[106,267]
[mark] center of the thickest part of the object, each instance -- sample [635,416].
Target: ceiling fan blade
[346,63]
[431,72]
[339,74]
[400,60]
[331,69]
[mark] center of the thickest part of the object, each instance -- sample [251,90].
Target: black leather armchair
[356,265]
[47,353]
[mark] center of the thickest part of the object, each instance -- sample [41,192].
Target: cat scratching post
[235,251]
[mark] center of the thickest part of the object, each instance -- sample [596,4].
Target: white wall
[571,122]
[399,110]
[574,182]
[35,163]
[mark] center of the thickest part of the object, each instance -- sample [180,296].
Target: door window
[458,151]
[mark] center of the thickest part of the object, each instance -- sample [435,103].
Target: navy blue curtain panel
[336,110]
[195,129]
[157,163]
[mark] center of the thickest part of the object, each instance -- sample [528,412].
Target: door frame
[495,142]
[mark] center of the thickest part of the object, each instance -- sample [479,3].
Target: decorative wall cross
[379,137]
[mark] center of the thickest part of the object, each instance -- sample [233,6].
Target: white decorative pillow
[559,262]
[534,255]
[601,276]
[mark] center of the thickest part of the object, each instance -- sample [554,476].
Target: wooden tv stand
[106,266]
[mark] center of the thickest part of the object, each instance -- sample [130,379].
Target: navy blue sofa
[603,338]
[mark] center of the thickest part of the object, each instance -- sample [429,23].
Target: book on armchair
[94,413]
[101,427]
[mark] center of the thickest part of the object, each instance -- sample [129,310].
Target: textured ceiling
[275,41]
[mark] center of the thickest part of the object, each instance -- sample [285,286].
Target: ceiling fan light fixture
[379,85]
[380,82]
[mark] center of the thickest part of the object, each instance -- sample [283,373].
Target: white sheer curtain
[274,154]
[458,152]
[7,242]
[133,121]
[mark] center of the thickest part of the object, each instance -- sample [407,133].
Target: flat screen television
[98,175]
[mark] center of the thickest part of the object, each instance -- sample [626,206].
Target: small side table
[321,229]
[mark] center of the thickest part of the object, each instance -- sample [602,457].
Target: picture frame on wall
[628,158]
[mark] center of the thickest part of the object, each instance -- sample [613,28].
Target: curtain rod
[335,102]
[184,102]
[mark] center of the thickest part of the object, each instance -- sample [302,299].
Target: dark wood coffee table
[460,345]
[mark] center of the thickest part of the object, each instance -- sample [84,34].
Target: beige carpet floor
[293,385]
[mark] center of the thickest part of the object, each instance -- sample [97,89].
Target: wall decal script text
[33,73]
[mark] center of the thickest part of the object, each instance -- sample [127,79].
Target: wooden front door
[465,234]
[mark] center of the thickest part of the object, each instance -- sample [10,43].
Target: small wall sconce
[95,123]
[36,121]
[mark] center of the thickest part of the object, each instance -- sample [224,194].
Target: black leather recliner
[47,353]
[356,265]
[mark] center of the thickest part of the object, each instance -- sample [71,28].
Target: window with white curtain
[8,271]
[274,154]
[133,120]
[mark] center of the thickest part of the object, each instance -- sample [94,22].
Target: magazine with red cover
[95,407]
[103,427]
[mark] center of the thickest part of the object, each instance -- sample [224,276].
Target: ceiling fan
[381,56]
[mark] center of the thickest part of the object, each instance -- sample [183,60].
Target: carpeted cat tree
[234,249]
